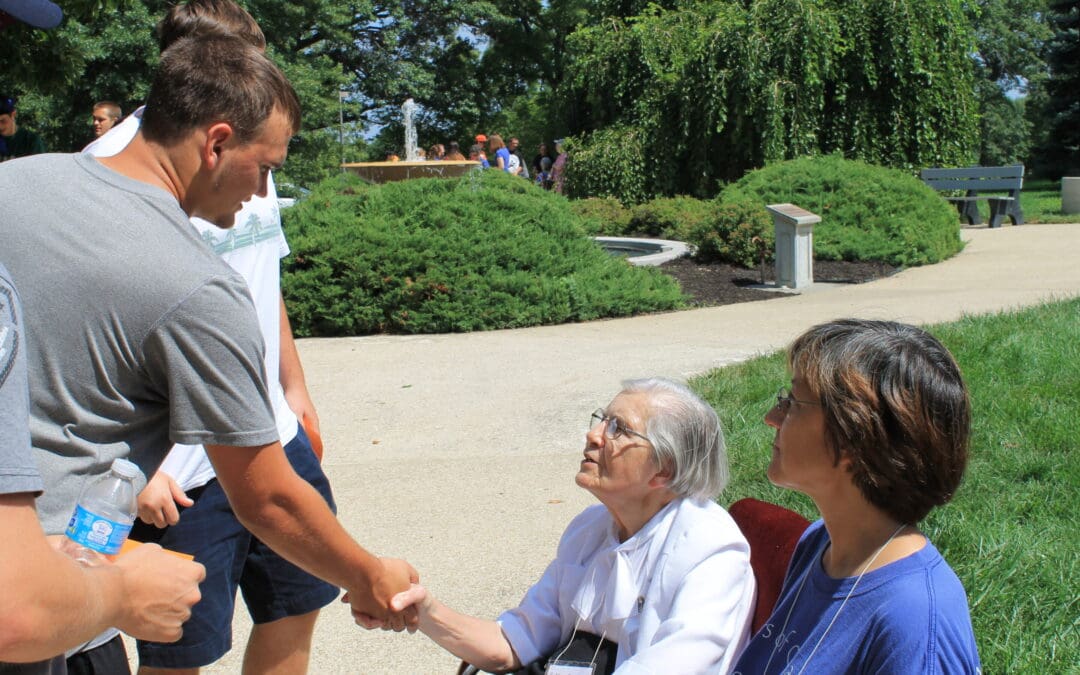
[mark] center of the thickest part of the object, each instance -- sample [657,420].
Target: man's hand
[158,500]
[371,607]
[159,591]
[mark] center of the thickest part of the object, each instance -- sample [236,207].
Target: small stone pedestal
[1070,195]
[794,228]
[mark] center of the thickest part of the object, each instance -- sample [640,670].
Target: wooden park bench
[977,179]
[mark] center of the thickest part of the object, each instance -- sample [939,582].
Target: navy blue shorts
[273,588]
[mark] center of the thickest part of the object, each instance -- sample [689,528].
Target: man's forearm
[49,603]
[290,516]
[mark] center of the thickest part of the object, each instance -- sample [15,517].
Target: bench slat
[976,172]
[974,184]
[976,199]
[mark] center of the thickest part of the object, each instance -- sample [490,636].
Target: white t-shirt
[253,247]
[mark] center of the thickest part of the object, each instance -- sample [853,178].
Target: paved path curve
[457,452]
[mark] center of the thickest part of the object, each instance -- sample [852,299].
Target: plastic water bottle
[106,510]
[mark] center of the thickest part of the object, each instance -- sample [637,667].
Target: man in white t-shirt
[283,600]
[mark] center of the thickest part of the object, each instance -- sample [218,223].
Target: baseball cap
[7,105]
[481,138]
[37,13]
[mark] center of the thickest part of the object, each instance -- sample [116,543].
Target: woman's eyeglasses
[613,428]
[784,399]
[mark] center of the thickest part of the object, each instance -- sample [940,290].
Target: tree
[1009,59]
[712,89]
[1058,114]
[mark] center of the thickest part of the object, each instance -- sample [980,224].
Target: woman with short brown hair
[875,431]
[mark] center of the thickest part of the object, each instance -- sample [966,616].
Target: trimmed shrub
[604,216]
[867,212]
[485,251]
[671,217]
[737,232]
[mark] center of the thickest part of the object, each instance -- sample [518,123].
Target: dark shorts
[273,588]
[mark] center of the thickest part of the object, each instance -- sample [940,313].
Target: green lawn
[1012,533]
[1040,201]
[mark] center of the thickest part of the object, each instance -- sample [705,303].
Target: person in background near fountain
[502,156]
[476,154]
[543,152]
[515,153]
[543,176]
[105,116]
[558,168]
[453,153]
[436,153]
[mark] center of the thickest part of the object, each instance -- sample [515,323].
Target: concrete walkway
[458,452]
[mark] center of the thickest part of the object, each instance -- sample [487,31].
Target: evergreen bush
[738,232]
[482,252]
[671,217]
[602,216]
[867,212]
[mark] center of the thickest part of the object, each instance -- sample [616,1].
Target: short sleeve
[534,627]
[207,353]
[18,472]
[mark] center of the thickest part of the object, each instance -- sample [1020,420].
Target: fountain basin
[386,172]
[644,252]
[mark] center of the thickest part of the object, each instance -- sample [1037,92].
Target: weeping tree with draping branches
[683,98]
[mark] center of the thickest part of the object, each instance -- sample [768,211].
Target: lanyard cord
[842,604]
[571,641]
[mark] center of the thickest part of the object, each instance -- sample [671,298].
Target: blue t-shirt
[910,616]
[505,154]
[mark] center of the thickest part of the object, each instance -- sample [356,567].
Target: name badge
[558,667]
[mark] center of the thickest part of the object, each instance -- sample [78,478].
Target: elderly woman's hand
[416,597]
[408,604]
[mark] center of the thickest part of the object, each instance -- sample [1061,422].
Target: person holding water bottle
[50,603]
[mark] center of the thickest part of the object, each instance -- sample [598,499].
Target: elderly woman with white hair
[654,579]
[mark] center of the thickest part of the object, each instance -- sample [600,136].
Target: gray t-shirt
[138,335]
[17,470]
[18,473]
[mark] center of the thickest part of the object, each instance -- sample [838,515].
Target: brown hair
[208,17]
[895,406]
[495,142]
[111,109]
[215,78]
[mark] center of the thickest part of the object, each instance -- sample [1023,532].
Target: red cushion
[772,532]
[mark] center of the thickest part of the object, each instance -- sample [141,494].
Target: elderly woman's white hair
[686,437]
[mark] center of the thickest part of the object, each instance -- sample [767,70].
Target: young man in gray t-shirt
[142,337]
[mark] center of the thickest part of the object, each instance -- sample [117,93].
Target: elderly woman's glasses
[784,399]
[613,428]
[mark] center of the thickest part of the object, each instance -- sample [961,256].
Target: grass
[1011,532]
[1040,200]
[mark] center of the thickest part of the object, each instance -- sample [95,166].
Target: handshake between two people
[387,603]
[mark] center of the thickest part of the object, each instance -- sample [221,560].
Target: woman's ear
[661,478]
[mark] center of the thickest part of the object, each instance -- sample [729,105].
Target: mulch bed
[720,284]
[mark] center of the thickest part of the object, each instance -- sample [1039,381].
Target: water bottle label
[97,533]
